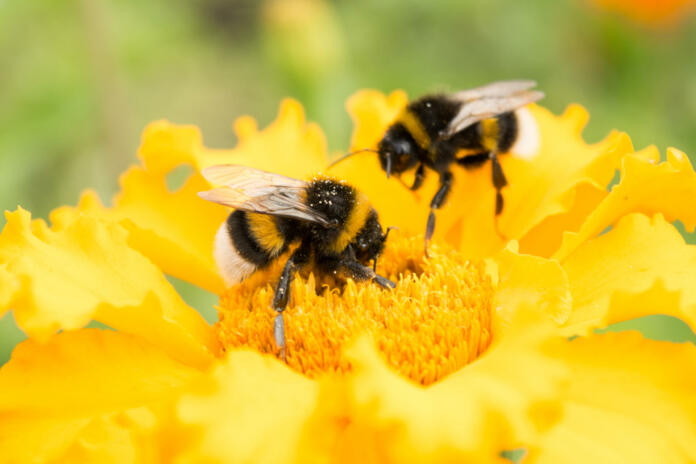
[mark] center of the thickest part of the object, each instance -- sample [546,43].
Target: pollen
[436,320]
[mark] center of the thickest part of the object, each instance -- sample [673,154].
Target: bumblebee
[334,224]
[466,128]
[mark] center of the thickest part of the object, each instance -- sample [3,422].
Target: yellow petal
[289,145]
[63,216]
[645,187]
[546,237]
[107,438]
[103,440]
[8,288]
[60,397]
[251,408]
[108,371]
[372,112]
[631,400]
[539,189]
[88,271]
[174,229]
[470,416]
[657,299]
[631,258]
[37,438]
[564,161]
[128,436]
[166,146]
[531,281]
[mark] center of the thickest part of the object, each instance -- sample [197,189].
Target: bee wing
[238,176]
[257,191]
[487,107]
[494,89]
[286,203]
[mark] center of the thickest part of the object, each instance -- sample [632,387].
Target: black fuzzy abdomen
[508,129]
[470,138]
[244,241]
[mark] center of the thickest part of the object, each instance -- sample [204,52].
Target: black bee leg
[279,334]
[280,301]
[282,294]
[419,177]
[429,229]
[437,201]
[499,181]
[360,272]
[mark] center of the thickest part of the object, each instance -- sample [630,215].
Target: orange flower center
[436,320]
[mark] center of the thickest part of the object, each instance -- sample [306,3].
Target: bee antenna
[386,234]
[384,239]
[348,155]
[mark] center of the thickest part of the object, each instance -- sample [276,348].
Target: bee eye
[402,148]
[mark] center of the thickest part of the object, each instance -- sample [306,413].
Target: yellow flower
[485,346]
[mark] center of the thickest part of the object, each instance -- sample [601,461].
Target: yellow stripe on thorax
[464,152]
[489,133]
[414,126]
[356,220]
[264,230]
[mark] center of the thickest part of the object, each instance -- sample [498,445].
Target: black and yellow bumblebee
[466,128]
[337,229]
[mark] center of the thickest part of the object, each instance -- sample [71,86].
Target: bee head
[397,151]
[369,242]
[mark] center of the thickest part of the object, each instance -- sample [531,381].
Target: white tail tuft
[232,266]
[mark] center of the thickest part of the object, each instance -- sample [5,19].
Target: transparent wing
[494,89]
[243,177]
[487,107]
[257,191]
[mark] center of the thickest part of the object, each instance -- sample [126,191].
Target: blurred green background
[80,79]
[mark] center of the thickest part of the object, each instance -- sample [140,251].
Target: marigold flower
[486,346]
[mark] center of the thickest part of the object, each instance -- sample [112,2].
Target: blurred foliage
[80,79]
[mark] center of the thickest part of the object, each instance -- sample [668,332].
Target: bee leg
[360,272]
[499,181]
[419,177]
[279,334]
[280,301]
[282,294]
[429,229]
[439,198]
